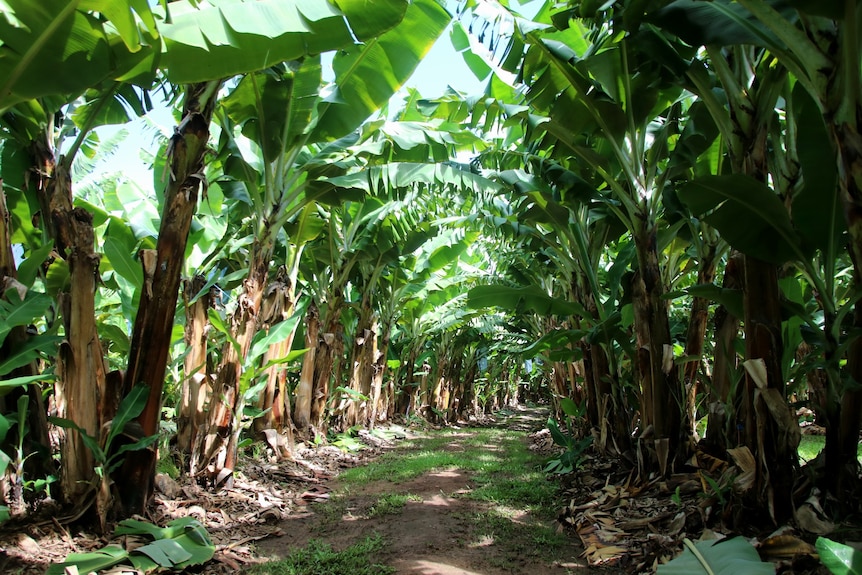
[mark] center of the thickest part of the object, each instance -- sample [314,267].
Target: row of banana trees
[307,266]
[664,145]
[69,68]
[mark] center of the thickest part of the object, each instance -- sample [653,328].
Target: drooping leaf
[368,75]
[719,22]
[748,214]
[730,298]
[817,210]
[529,298]
[29,350]
[840,559]
[274,107]
[80,49]
[91,442]
[725,557]
[832,9]
[554,340]
[115,106]
[7,385]
[404,174]
[211,41]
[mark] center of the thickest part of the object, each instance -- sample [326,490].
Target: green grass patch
[505,525]
[503,471]
[319,558]
[509,539]
[811,445]
[391,504]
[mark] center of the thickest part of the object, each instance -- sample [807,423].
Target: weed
[318,558]
[331,511]
[502,470]
[391,504]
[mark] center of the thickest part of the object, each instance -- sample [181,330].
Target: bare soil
[274,507]
[438,531]
[609,521]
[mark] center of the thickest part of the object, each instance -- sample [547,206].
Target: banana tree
[818,45]
[196,48]
[753,79]
[613,111]
[822,56]
[286,115]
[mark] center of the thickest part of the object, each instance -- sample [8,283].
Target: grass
[319,558]
[504,471]
[811,445]
[391,504]
[516,501]
[523,539]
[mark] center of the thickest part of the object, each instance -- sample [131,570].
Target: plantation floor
[465,502]
[458,500]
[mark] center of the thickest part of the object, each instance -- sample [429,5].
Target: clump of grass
[391,504]
[331,511]
[503,471]
[318,558]
[811,445]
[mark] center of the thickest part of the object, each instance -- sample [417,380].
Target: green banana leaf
[749,215]
[531,298]
[840,559]
[368,75]
[726,557]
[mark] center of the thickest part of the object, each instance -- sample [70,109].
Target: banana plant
[818,45]
[751,58]
[189,41]
[278,128]
[612,113]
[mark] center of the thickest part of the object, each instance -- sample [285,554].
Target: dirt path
[431,524]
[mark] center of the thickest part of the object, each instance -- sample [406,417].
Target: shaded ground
[439,529]
[609,521]
[274,507]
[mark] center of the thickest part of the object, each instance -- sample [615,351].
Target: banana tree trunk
[275,424]
[451,387]
[356,404]
[218,443]
[725,364]
[408,387]
[378,370]
[80,369]
[436,381]
[154,321]
[330,347]
[662,397]
[305,389]
[468,399]
[694,339]
[196,390]
[762,431]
